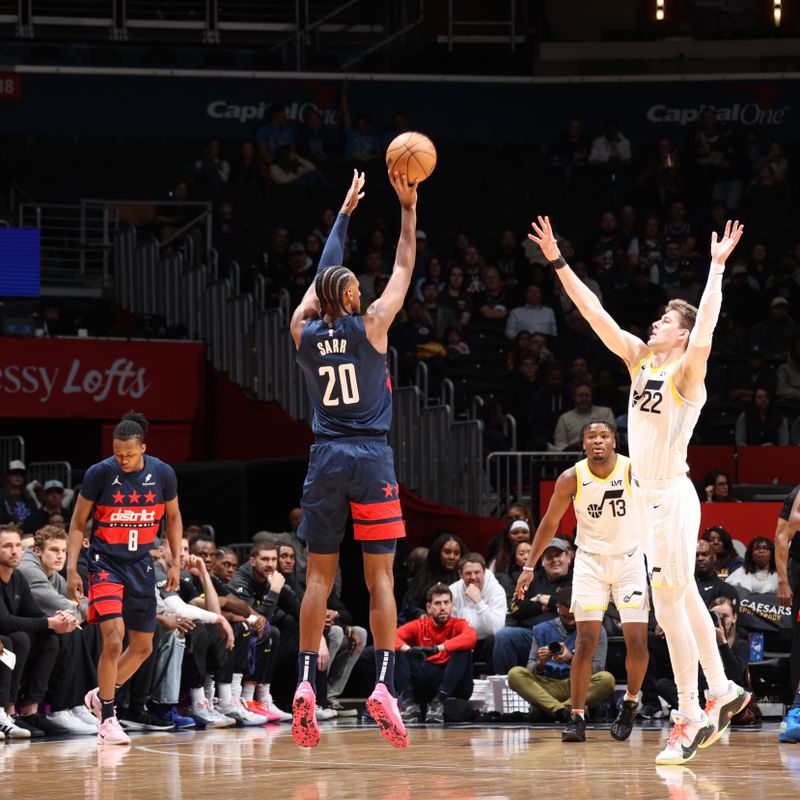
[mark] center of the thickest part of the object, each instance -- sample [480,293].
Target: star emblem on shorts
[150,497]
[102,575]
[119,497]
[134,496]
[389,489]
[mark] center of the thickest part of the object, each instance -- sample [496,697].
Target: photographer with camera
[545,683]
[434,658]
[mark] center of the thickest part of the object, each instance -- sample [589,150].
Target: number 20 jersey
[128,507]
[608,519]
[660,422]
[347,379]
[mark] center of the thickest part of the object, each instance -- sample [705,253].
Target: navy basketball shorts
[351,474]
[122,588]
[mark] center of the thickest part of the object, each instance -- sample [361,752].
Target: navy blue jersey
[128,507]
[347,378]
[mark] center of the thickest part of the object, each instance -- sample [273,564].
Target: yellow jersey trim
[611,475]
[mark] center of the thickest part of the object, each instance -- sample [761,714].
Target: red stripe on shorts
[97,591]
[372,512]
[104,608]
[377,531]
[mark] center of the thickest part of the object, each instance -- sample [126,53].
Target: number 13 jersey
[608,519]
[660,422]
[347,379]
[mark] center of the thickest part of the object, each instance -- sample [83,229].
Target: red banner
[101,378]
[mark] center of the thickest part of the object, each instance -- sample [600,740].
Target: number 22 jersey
[128,506]
[660,422]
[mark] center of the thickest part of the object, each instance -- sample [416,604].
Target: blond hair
[686,312]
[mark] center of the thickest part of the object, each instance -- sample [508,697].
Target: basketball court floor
[353,761]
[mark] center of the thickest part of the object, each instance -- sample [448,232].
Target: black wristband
[559,263]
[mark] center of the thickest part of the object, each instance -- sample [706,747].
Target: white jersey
[608,519]
[660,422]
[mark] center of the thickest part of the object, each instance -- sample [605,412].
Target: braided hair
[330,285]
[133,425]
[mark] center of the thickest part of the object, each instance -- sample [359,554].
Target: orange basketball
[413,154]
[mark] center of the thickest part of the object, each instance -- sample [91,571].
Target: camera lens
[555,648]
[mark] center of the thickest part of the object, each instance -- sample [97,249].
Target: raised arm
[332,255]
[566,486]
[692,371]
[628,347]
[381,313]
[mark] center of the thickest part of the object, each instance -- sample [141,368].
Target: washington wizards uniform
[127,514]
[351,461]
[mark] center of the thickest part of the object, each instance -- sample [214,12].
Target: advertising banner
[143,105]
[101,379]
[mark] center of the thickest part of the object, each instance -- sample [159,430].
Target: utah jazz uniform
[660,425]
[351,460]
[609,560]
[128,508]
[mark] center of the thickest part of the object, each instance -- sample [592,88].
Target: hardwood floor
[454,763]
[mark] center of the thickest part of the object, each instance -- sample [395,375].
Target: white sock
[236,686]
[262,693]
[248,692]
[209,688]
[224,693]
[198,695]
[631,698]
[706,637]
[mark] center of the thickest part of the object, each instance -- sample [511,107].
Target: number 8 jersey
[128,506]
[608,519]
[660,422]
[347,379]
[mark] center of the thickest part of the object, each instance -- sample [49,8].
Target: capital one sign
[101,378]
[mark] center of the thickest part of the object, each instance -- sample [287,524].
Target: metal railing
[515,478]
[44,471]
[12,448]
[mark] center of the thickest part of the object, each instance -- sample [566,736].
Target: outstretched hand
[720,250]
[406,192]
[354,193]
[545,238]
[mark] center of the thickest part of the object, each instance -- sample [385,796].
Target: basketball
[413,154]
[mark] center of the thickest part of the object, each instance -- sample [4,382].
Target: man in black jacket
[29,635]
[710,585]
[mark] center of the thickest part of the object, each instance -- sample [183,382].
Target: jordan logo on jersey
[651,397]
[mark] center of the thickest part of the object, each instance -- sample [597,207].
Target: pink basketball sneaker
[383,708]
[111,732]
[305,730]
[92,702]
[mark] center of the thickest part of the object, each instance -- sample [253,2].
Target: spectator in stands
[687,288]
[773,168]
[249,170]
[569,425]
[518,531]
[29,634]
[313,248]
[508,577]
[547,405]
[455,295]
[571,148]
[413,339]
[666,274]
[762,423]
[373,267]
[782,284]
[441,566]
[313,141]
[495,438]
[746,378]
[513,643]
[677,229]
[423,255]
[743,298]
[788,377]
[436,316]
[172,219]
[640,303]
[544,681]
[647,249]
[514,512]
[474,270]
[289,537]
[717,487]
[579,373]
[628,224]
[434,659]
[274,134]
[17,502]
[758,573]
[287,167]
[726,559]
[610,149]
[457,348]
[608,240]
[510,259]
[398,125]
[481,600]
[534,316]
[361,143]
[492,303]
[778,332]
[709,584]
[74,673]
[226,563]
[52,503]
[523,384]
[662,176]
[212,170]
[581,270]
[760,265]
